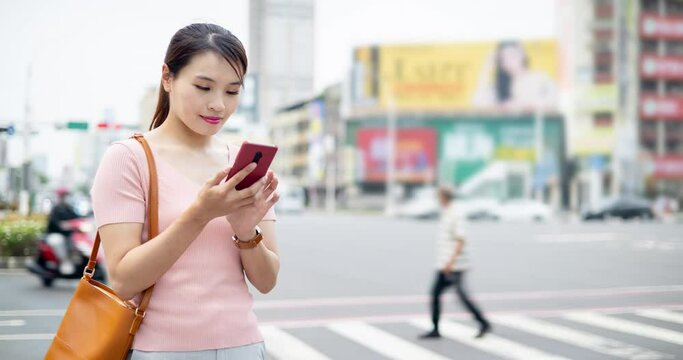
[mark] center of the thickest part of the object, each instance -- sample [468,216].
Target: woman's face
[512,59]
[204,93]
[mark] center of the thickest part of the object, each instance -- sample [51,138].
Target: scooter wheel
[47,282]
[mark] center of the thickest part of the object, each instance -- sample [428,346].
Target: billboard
[654,26]
[661,107]
[668,167]
[415,154]
[661,67]
[506,75]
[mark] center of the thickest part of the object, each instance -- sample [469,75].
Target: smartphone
[261,154]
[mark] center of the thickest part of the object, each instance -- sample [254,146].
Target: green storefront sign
[468,143]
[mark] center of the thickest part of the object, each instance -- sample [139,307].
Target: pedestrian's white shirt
[451,228]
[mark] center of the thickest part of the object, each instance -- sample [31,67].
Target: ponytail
[161,112]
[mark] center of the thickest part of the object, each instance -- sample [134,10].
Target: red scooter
[59,257]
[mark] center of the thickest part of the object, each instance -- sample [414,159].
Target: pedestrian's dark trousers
[442,282]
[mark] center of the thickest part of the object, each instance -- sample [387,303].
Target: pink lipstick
[213,120]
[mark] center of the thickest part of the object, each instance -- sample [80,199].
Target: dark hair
[503,78]
[196,39]
[447,192]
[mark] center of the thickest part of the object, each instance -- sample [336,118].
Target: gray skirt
[255,351]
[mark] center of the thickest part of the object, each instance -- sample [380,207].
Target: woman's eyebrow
[202,77]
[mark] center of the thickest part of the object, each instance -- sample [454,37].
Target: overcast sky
[88,56]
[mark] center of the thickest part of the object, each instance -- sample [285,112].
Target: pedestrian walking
[452,265]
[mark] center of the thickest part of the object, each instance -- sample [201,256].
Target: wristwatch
[248,244]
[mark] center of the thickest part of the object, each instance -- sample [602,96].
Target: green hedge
[18,237]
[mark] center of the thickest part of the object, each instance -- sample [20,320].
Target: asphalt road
[355,287]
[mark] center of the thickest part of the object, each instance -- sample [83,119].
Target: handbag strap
[152,215]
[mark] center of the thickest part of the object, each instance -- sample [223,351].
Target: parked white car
[524,210]
[510,210]
[292,199]
[424,204]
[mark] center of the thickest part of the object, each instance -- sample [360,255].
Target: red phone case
[250,152]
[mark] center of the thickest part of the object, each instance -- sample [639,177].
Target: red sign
[661,107]
[668,167]
[661,27]
[661,67]
[415,154]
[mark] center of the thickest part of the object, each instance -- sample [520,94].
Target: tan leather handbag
[98,324]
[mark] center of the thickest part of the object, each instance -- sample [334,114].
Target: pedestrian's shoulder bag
[98,324]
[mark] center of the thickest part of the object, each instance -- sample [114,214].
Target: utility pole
[24,194]
[539,149]
[390,181]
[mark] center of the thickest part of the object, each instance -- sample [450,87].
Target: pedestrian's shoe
[483,330]
[434,334]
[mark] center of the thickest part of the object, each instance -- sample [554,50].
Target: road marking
[392,318]
[664,315]
[284,346]
[626,326]
[578,338]
[578,238]
[12,322]
[498,296]
[17,337]
[37,312]
[491,344]
[388,345]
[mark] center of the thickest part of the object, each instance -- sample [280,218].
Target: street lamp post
[390,181]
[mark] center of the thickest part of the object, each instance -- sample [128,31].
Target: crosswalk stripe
[12,322]
[382,342]
[16,337]
[578,338]
[284,346]
[490,343]
[664,315]
[626,326]
[46,312]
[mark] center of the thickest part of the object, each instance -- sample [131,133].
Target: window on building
[674,47]
[603,73]
[674,87]
[648,46]
[674,7]
[650,6]
[603,34]
[648,131]
[603,119]
[673,147]
[603,9]
[649,146]
[674,130]
[648,86]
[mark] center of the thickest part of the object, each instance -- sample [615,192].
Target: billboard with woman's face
[496,76]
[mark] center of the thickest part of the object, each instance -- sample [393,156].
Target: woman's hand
[218,199]
[262,197]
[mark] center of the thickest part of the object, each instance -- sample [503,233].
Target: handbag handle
[152,215]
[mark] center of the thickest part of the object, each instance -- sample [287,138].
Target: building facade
[281,53]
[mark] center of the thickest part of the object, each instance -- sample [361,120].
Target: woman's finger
[216,179]
[270,189]
[273,199]
[241,175]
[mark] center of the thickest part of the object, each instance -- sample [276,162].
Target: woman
[514,87]
[201,307]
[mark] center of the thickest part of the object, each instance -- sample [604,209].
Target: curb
[14,262]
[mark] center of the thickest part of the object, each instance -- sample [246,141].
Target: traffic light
[9,130]
[77,125]
[106,125]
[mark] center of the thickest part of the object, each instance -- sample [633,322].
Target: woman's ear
[166,77]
